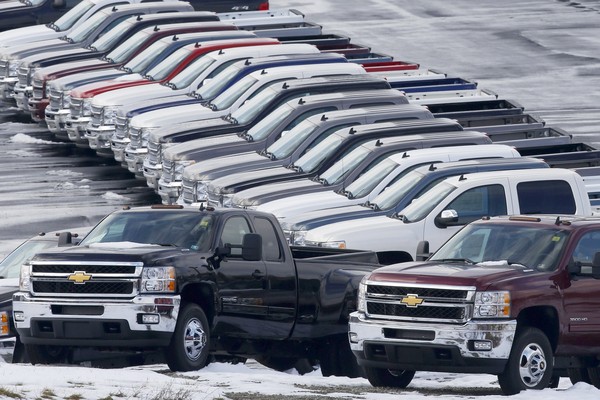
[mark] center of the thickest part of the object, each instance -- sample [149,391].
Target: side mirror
[59,3]
[252,247]
[422,251]
[596,266]
[65,239]
[446,218]
[223,251]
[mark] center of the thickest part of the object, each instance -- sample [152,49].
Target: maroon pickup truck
[512,296]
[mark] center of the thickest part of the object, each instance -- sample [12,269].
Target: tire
[190,344]
[381,377]
[530,363]
[337,359]
[302,365]
[41,354]
[594,376]
[577,375]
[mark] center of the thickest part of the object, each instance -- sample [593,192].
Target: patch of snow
[26,139]
[114,196]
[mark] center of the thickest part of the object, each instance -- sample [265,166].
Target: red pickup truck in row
[512,296]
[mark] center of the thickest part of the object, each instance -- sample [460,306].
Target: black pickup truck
[197,282]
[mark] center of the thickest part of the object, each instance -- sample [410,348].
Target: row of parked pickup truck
[293,165]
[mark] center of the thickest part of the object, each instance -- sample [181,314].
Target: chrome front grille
[56,98]
[121,127]
[214,199]
[168,170]
[420,303]
[92,279]
[154,155]
[135,137]
[23,76]
[38,89]
[3,68]
[188,189]
[76,107]
[96,117]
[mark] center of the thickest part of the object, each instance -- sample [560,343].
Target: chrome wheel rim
[532,365]
[194,339]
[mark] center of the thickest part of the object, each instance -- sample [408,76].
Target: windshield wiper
[267,154]
[53,26]
[148,77]
[92,48]
[165,244]
[295,167]
[230,119]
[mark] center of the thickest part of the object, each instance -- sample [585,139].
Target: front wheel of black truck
[530,363]
[381,377]
[189,347]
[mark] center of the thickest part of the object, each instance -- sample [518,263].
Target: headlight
[13,67]
[109,115]
[86,110]
[227,200]
[334,244]
[179,167]
[158,279]
[298,238]
[25,278]
[492,305]
[362,295]
[201,191]
[66,101]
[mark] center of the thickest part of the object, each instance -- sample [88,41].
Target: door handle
[257,274]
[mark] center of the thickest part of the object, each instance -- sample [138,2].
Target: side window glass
[370,105]
[586,248]
[233,233]
[271,245]
[546,197]
[479,202]
[306,115]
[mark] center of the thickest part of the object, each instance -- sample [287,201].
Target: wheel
[189,347]
[530,363]
[554,382]
[41,354]
[578,375]
[337,359]
[594,376]
[302,365]
[381,377]
[19,355]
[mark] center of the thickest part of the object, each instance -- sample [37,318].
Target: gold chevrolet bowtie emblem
[79,277]
[411,300]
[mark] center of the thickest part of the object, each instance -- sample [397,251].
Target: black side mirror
[223,251]
[446,218]
[252,247]
[65,239]
[596,266]
[422,251]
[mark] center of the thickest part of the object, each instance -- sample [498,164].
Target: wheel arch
[203,294]
[544,318]
[393,257]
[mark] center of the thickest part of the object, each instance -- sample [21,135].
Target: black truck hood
[116,252]
[480,276]
[6,293]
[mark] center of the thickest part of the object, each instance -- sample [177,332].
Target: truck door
[581,300]
[241,285]
[280,296]
[472,204]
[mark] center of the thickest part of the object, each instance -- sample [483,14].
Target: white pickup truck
[453,203]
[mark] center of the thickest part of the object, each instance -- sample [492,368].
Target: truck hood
[34,33]
[315,219]
[298,204]
[186,150]
[201,169]
[73,67]
[82,78]
[114,251]
[97,88]
[480,276]
[290,189]
[6,292]
[174,115]
[11,5]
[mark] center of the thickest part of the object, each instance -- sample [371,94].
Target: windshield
[166,66]
[338,171]
[228,97]
[140,62]
[10,267]
[394,193]
[185,78]
[220,81]
[364,184]
[70,18]
[497,244]
[128,47]
[108,40]
[82,30]
[289,142]
[251,108]
[418,210]
[191,230]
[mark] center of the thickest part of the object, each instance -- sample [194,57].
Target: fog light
[19,316]
[150,318]
[3,323]
[353,337]
[481,345]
